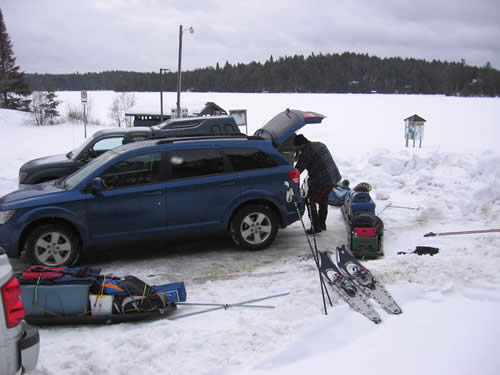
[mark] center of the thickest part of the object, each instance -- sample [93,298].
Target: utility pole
[179,74]
[179,70]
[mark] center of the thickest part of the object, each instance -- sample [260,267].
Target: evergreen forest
[317,73]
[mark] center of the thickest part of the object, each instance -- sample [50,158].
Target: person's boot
[322,218]
[315,227]
[313,230]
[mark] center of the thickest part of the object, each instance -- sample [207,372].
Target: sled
[365,230]
[73,296]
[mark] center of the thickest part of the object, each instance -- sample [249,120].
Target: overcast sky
[67,36]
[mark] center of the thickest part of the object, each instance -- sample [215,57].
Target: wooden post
[407,131]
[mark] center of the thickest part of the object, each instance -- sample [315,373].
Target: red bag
[42,273]
[365,232]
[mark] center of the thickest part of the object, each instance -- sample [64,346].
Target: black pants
[319,196]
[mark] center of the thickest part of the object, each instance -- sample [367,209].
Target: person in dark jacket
[323,175]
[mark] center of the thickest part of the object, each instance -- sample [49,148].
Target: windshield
[73,180]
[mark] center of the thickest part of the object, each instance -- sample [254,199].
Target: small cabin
[414,129]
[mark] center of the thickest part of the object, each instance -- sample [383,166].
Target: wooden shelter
[414,128]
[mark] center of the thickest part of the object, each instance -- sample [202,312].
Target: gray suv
[19,342]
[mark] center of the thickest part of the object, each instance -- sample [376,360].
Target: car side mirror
[96,185]
[84,157]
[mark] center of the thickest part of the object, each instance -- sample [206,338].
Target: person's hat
[300,140]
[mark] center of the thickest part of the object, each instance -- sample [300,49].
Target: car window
[245,159]
[228,129]
[137,170]
[74,179]
[195,163]
[77,152]
[172,124]
[107,144]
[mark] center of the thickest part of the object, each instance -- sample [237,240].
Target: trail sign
[84,96]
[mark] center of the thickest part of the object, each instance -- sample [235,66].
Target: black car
[52,167]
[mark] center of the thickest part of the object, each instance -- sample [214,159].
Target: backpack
[364,220]
[130,294]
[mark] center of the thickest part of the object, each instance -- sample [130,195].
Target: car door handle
[228,183]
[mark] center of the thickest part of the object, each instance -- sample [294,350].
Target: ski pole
[432,234]
[225,306]
[316,256]
[315,253]
[304,193]
[290,196]
[390,205]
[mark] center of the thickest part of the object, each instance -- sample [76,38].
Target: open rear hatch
[282,127]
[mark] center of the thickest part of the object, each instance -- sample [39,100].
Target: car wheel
[53,245]
[254,227]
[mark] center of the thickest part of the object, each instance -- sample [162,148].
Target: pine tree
[13,88]
[52,103]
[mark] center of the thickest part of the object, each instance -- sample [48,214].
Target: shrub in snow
[121,104]
[44,107]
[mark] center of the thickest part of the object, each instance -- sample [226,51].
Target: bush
[43,107]
[76,114]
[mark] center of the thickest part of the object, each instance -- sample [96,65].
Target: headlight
[22,177]
[6,215]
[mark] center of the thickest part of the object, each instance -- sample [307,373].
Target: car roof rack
[192,138]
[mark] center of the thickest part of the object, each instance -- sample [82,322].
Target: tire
[53,245]
[254,227]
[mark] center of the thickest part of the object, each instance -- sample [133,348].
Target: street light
[161,92]
[191,30]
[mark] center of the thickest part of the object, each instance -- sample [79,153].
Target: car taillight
[14,308]
[294,175]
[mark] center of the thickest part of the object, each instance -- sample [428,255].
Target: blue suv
[177,187]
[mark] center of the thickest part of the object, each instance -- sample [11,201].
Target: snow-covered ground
[451,301]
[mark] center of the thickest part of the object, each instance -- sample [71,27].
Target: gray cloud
[65,36]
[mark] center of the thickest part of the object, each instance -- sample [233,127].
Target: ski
[365,281]
[345,288]
[432,234]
